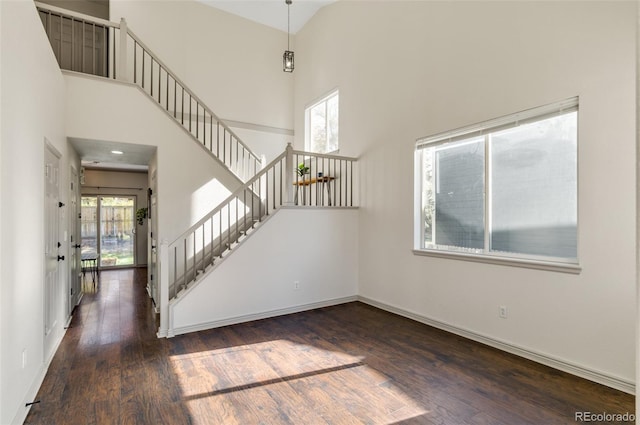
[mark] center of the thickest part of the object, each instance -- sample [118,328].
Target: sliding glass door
[108,229]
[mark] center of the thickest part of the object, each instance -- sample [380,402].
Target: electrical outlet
[296,285]
[502,312]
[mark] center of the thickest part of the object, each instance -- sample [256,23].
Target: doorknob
[77,245]
[60,257]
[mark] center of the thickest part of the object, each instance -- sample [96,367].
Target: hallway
[346,364]
[99,364]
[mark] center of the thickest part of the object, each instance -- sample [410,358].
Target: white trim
[542,358]
[502,261]
[257,316]
[31,394]
[52,148]
[501,123]
[258,127]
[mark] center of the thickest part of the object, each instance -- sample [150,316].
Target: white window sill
[503,261]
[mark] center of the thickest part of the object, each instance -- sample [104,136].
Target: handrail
[325,155]
[76,15]
[191,93]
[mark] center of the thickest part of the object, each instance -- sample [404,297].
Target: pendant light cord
[288,23]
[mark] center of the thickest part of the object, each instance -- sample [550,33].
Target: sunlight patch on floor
[278,379]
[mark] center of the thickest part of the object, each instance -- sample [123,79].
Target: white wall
[318,248]
[32,92]
[190,182]
[269,144]
[234,65]
[411,69]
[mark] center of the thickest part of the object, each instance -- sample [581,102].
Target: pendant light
[287,58]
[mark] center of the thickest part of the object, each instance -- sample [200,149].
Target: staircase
[294,178]
[199,249]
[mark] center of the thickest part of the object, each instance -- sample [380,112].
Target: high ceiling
[272,13]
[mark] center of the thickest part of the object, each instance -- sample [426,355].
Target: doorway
[108,229]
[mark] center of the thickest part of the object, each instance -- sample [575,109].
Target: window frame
[307,121]
[484,130]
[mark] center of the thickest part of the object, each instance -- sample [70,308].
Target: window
[504,189]
[321,125]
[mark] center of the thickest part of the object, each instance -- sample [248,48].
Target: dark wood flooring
[348,364]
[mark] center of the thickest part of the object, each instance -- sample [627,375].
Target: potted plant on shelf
[302,169]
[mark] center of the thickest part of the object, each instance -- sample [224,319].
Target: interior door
[52,246]
[153,249]
[74,243]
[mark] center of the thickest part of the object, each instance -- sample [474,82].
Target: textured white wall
[32,92]
[318,248]
[410,69]
[269,144]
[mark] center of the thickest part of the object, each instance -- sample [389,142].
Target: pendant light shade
[287,57]
[287,61]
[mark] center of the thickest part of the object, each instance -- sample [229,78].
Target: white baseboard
[556,363]
[31,394]
[257,316]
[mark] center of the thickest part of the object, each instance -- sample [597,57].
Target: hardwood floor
[348,364]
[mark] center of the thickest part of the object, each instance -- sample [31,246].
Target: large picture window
[504,188]
[321,125]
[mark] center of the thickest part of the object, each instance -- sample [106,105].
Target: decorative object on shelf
[141,214]
[287,58]
[302,169]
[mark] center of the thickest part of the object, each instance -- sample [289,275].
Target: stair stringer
[217,250]
[202,274]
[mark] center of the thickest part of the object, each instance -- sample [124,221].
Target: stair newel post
[164,289]
[122,74]
[289,174]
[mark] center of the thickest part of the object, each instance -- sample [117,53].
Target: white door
[74,244]
[51,249]
[153,249]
